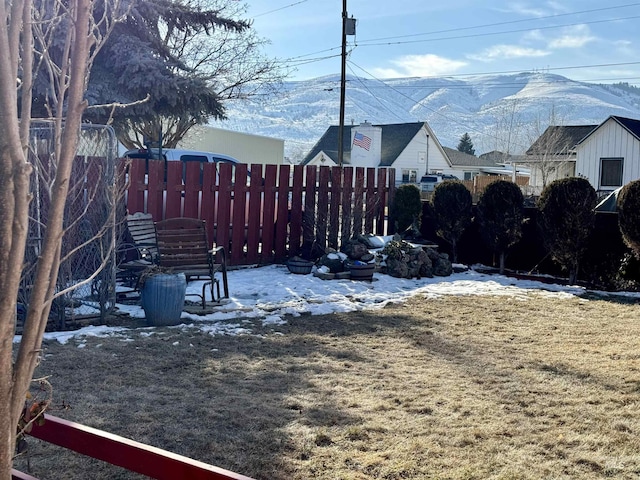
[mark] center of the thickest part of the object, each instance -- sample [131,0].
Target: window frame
[411,173]
[609,174]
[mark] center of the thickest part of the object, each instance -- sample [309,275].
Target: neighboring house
[469,165]
[609,156]
[247,148]
[412,149]
[553,154]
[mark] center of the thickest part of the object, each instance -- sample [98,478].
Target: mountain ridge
[505,112]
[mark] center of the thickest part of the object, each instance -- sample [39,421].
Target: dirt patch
[454,387]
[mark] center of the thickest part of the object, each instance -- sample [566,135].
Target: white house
[553,155]
[609,156]
[472,166]
[412,149]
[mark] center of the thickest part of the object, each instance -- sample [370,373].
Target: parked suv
[428,182]
[175,154]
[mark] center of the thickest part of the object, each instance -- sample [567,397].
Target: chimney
[366,145]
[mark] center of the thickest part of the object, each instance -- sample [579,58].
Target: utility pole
[343,82]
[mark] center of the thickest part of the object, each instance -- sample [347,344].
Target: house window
[470,175]
[611,172]
[409,175]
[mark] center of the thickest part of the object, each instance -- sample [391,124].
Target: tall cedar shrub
[500,214]
[628,206]
[567,218]
[406,208]
[452,208]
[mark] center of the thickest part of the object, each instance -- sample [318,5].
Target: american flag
[362,141]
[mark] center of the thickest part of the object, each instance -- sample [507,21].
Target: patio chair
[139,249]
[183,247]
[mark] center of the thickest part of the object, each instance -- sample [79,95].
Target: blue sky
[582,40]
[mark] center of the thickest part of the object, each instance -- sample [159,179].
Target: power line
[497,24]
[365,43]
[547,69]
[374,96]
[488,34]
[280,8]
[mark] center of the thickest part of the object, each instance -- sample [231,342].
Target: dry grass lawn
[450,388]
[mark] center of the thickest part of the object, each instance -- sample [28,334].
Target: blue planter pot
[162,298]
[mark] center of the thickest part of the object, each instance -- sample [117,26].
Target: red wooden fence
[268,213]
[123,452]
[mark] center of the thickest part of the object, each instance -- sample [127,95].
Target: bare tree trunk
[14,202]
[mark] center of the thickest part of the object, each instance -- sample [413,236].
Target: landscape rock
[403,260]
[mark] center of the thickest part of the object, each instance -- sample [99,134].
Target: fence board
[358,202]
[282,214]
[347,193]
[174,191]
[155,188]
[255,214]
[270,172]
[192,188]
[370,211]
[295,227]
[309,216]
[135,194]
[334,206]
[390,226]
[239,209]
[381,201]
[223,210]
[208,201]
[322,208]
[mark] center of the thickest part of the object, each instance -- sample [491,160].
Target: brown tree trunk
[14,203]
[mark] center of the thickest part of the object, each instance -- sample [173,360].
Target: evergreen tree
[466,145]
[406,208]
[452,207]
[501,213]
[167,66]
[629,215]
[567,219]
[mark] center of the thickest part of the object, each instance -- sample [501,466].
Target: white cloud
[420,66]
[523,8]
[572,37]
[625,47]
[504,52]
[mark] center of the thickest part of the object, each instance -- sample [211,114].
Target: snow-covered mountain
[499,112]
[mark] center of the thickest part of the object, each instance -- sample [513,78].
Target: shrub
[406,208]
[628,206]
[567,218]
[500,214]
[452,208]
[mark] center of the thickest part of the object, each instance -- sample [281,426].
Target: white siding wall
[246,148]
[610,140]
[564,169]
[423,155]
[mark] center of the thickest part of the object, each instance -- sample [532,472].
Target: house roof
[461,159]
[560,139]
[395,138]
[630,124]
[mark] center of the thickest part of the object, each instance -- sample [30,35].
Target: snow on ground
[269,293]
